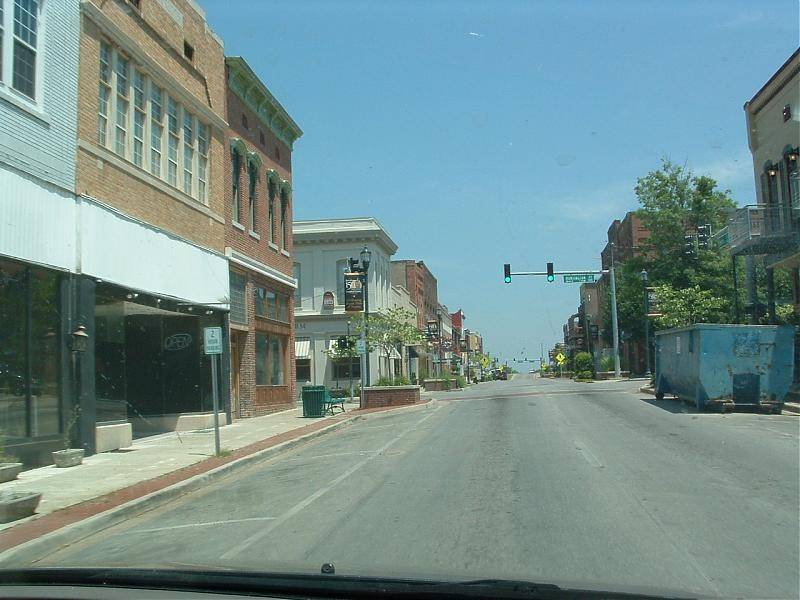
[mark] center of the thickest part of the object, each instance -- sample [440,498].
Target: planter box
[68,458]
[438,385]
[392,395]
[9,471]
[17,505]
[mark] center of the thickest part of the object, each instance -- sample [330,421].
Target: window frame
[156,158]
[252,194]
[8,43]
[236,192]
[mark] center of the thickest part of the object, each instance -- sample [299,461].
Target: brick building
[627,239]
[258,243]
[149,181]
[421,285]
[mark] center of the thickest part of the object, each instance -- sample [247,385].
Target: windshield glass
[444,290]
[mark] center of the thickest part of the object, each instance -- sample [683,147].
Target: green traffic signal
[550,275]
[507,273]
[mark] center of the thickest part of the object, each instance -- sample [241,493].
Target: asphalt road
[525,479]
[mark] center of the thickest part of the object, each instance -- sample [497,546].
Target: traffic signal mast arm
[596,272]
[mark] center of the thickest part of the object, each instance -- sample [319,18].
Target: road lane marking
[303,504]
[206,524]
[588,455]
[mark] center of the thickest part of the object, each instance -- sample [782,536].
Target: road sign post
[212,345]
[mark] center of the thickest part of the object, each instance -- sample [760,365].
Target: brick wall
[116,180]
[375,397]
[242,241]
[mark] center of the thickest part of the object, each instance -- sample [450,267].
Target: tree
[674,202]
[686,306]
[389,330]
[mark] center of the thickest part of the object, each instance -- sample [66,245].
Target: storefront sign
[327,301]
[177,341]
[353,292]
[212,340]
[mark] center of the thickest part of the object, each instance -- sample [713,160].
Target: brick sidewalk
[109,480]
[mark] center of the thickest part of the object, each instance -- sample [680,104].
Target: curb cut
[38,548]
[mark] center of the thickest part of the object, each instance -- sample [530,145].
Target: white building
[321,253]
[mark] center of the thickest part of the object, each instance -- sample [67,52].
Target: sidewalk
[154,463]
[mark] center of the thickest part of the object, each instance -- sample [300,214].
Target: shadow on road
[673,405]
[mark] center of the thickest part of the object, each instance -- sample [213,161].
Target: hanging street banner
[353,292]
[579,278]
[653,309]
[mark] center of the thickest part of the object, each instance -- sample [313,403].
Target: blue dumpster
[724,366]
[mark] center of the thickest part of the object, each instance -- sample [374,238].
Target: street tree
[389,330]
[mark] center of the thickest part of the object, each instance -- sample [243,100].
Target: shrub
[461,381]
[584,375]
[583,362]
[383,382]
[607,363]
[401,380]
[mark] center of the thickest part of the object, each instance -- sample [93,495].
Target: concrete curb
[646,389]
[791,408]
[40,547]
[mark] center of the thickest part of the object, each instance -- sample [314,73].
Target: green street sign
[579,278]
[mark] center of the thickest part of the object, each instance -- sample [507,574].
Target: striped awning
[302,348]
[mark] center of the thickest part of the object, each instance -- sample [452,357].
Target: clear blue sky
[480,133]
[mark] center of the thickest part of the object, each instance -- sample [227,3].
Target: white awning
[302,348]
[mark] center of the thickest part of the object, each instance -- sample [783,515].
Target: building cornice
[243,82]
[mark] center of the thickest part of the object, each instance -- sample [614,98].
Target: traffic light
[507,273]
[703,236]
[688,245]
[550,276]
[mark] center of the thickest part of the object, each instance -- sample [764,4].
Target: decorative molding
[254,158]
[286,186]
[273,177]
[252,91]
[238,144]
[238,225]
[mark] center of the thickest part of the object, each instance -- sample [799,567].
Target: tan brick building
[151,160]
[258,243]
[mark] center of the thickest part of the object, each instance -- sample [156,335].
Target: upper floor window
[253,179]
[142,123]
[238,284]
[271,201]
[19,45]
[284,220]
[236,168]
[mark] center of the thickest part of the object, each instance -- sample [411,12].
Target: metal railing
[761,225]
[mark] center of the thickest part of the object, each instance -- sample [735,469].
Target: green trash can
[313,397]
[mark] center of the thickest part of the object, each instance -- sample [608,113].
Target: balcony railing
[761,230]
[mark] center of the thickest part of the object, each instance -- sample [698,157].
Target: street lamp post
[366,257]
[646,324]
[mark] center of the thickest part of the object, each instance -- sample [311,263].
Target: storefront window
[303,369]
[149,361]
[270,359]
[13,379]
[29,351]
[343,367]
[272,305]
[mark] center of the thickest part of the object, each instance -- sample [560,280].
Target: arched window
[284,219]
[236,168]
[271,190]
[253,173]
